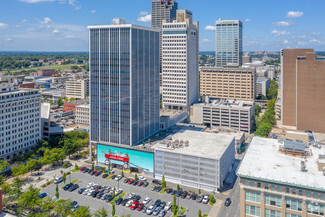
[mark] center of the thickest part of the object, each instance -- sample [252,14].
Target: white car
[146,200]
[128,204]
[118,178]
[90,184]
[150,210]
[86,192]
[89,193]
[112,171]
[205,199]
[142,178]
[168,206]
[131,195]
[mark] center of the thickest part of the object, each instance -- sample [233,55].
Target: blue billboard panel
[136,159]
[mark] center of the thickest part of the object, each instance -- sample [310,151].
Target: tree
[17,187]
[163,182]
[19,169]
[175,208]
[72,99]
[59,101]
[177,187]
[257,109]
[122,173]
[143,143]
[149,140]
[3,165]
[57,191]
[64,177]
[109,167]
[46,205]
[212,199]
[101,213]
[63,207]
[81,212]
[200,213]
[272,92]
[53,155]
[263,130]
[92,167]
[30,198]
[113,193]
[113,210]
[76,167]
[31,165]
[135,177]
[199,191]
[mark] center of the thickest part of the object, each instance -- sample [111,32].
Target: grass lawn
[74,181]
[47,183]
[75,170]
[68,66]
[116,198]
[109,177]
[181,211]
[163,191]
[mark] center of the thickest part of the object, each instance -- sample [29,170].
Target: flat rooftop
[201,144]
[263,160]
[170,113]
[227,103]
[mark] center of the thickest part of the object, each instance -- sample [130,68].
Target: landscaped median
[163,191]
[109,177]
[116,198]
[74,181]
[47,183]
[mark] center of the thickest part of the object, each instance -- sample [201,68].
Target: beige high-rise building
[77,88]
[303,88]
[82,116]
[282,179]
[228,83]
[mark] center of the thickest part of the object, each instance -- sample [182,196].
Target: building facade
[184,160]
[82,116]
[180,69]
[262,86]
[303,87]
[279,182]
[228,83]
[229,43]
[43,72]
[227,114]
[77,88]
[20,121]
[124,83]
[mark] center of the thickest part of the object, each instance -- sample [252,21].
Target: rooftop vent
[293,147]
[303,166]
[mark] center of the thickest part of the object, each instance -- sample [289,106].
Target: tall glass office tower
[229,43]
[124,83]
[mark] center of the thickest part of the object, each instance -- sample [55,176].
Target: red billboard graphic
[115,157]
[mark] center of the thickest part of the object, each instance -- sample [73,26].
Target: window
[315,209]
[279,189]
[273,200]
[292,215]
[272,213]
[258,184]
[294,204]
[300,192]
[252,196]
[266,186]
[253,210]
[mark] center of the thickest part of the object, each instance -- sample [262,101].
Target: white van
[58,180]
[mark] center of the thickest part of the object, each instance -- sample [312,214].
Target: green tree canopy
[263,130]
[30,198]
[101,213]
[3,165]
[59,101]
[81,212]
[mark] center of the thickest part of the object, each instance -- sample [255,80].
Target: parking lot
[84,178]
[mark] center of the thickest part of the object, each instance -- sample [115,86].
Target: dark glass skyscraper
[124,83]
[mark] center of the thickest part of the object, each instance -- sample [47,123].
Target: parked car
[184,194]
[58,179]
[173,192]
[193,196]
[169,190]
[118,178]
[92,172]
[136,197]
[155,181]
[205,199]
[150,209]
[119,201]
[179,193]
[85,170]
[146,200]
[130,181]
[98,173]
[156,211]
[109,198]
[140,207]
[75,207]
[81,190]
[82,168]
[142,178]
[73,187]
[131,195]
[145,184]
[168,206]
[140,183]
[126,180]
[99,195]
[154,188]
[199,198]
[67,186]
[162,205]
[114,176]
[228,202]
[144,209]
[105,175]
[157,203]
[135,182]
[162,213]
[134,205]
[124,202]
[42,195]
[129,203]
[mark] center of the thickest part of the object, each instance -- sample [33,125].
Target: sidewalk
[215,209]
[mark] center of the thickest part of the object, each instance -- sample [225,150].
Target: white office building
[197,159]
[82,117]
[180,69]
[20,121]
[262,86]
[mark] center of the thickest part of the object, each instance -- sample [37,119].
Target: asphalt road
[95,204]
[233,210]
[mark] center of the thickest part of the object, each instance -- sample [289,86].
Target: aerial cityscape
[166,108]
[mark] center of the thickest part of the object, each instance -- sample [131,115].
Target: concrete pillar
[262,204]
[242,202]
[283,206]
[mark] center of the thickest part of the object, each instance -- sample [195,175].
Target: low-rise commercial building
[43,72]
[197,159]
[232,114]
[282,178]
[262,86]
[82,116]
[77,88]
[228,83]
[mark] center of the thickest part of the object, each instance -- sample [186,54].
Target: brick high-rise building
[303,88]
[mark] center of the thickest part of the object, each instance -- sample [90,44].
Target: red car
[140,207]
[134,205]
[82,168]
[130,181]
[140,183]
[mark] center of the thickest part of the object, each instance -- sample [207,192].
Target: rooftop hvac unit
[303,166]
[324,171]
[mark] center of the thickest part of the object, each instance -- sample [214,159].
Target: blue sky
[61,25]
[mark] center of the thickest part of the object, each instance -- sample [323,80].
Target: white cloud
[248,20]
[3,25]
[142,13]
[46,20]
[75,4]
[69,36]
[284,23]
[314,33]
[56,31]
[302,43]
[36,1]
[316,41]
[145,18]
[210,28]
[9,39]
[17,26]
[278,33]
[24,21]
[285,42]
[205,40]
[93,11]
[295,14]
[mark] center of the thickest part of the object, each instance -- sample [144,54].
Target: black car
[162,205]
[179,193]
[228,202]
[155,181]
[173,192]
[126,180]
[157,203]
[104,175]
[93,173]
[124,201]
[136,197]
[119,201]
[81,190]
[99,195]
[184,194]
[85,170]
[73,187]
[158,188]
[94,193]
[98,173]
[193,196]
[135,182]
[90,171]
[145,184]
[113,177]
[169,190]
[109,198]
[67,186]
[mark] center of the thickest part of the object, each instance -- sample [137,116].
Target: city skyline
[61,25]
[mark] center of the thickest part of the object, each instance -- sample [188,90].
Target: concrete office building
[82,117]
[180,67]
[262,86]
[229,43]
[246,58]
[282,179]
[124,87]
[196,159]
[162,10]
[20,121]
[228,83]
[222,113]
[77,88]
[303,88]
